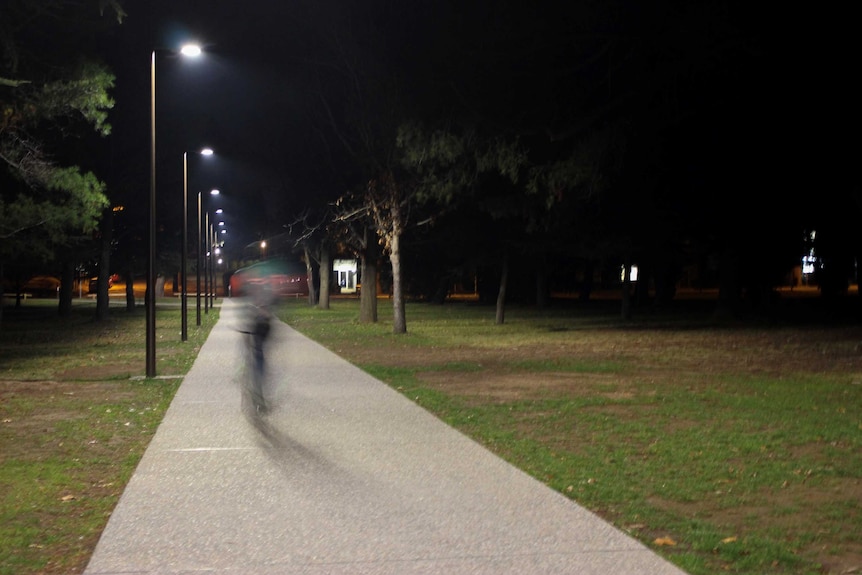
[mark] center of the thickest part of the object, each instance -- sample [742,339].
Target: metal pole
[212,262]
[185,248]
[215,278]
[151,256]
[206,264]
[198,284]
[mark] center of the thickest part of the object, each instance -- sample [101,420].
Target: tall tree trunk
[627,289]
[399,318]
[501,294]
[2,278]
[309,274]
[102,301]
[325,275]
[67,280]
[130,290]
[368,294]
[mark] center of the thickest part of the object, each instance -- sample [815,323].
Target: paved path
[345,476]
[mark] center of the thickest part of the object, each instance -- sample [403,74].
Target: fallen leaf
[67,498]
[665,541]
[728,540]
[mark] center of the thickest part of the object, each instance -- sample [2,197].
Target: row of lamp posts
[208,280]
[189,50]
[206,265]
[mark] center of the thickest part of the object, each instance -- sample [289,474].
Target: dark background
[747,115]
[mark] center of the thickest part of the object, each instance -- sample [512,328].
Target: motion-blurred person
[258,322]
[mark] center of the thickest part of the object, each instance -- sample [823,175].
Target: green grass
[724,439]
[741,443]
[76,415]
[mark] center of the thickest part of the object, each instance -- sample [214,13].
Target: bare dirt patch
[100,372]
[504,386]
[654,360]
[52,402]
[72,443]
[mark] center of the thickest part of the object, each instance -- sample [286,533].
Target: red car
[284,278]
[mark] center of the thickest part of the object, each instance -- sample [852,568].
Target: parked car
[284,278]
[94,283]
[42,286]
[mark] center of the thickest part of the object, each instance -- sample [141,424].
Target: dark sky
[236,98]
[248,96]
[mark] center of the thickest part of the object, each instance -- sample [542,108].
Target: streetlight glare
[214,192]
[207,152]
[191,50]
[150,294]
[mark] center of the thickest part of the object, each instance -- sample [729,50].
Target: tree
[46,98]
[354,229]
[497,176]
[446,166]
[309,232]
[363,97]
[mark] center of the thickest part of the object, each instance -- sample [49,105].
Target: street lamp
[185,249]
[200,241]
[214,245]
[218,214]
[208,270]
[187,50]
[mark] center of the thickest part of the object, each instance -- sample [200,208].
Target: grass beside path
[76,415]
[728,448]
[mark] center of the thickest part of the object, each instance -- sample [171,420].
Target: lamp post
[206,263]
[212,243]
[200,242]
[185,248]
[217,256]
[209,279]
[151,254]
[187,50]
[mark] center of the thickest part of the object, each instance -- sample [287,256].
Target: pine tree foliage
[49,96]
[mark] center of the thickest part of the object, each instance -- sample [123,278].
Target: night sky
[266,60]
[248,98]
[233,99]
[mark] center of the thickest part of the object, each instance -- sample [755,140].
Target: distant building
[345,274]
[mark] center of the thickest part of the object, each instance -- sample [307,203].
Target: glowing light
[191,50]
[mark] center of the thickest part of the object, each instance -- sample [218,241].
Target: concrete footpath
[344,476]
